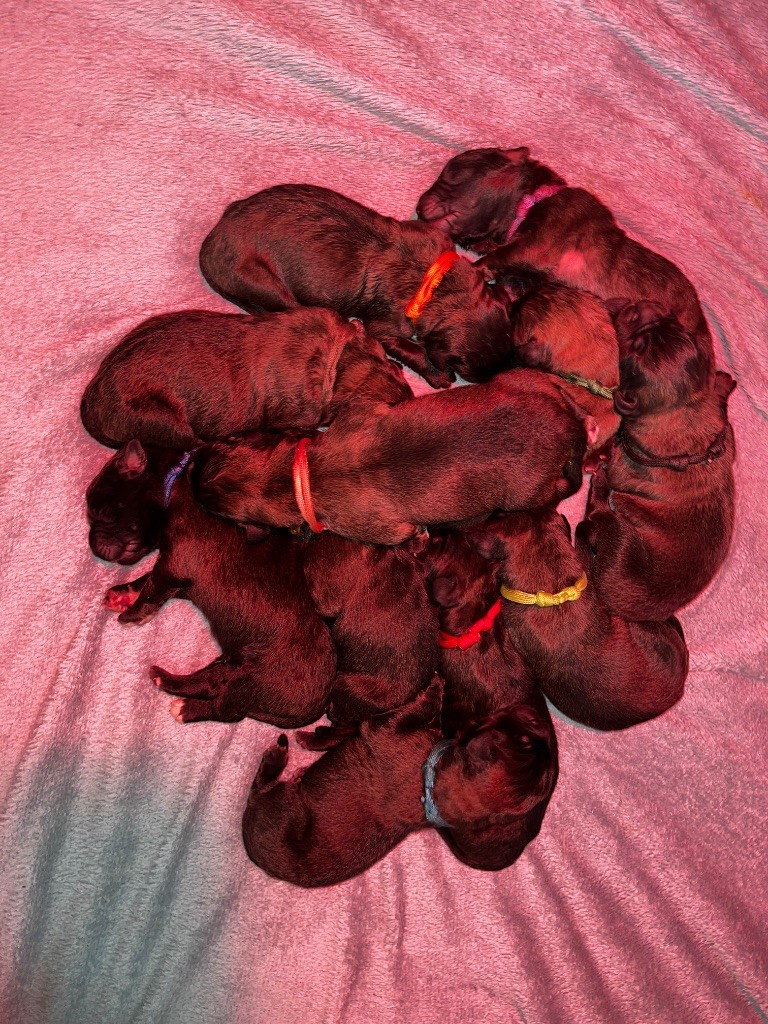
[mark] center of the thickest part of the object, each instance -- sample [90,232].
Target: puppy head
[660,366]
[124,522]
[460,581]
[229,478]
[508,538]
[498,770]
[476,195]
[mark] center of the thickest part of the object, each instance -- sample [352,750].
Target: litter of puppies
[398,563]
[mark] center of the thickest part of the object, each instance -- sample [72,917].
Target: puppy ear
[131,460]
[625,402]
[488,544]
[724,384]
[254,534]
[444,591]
[517,156]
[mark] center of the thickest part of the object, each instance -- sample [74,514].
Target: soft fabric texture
[126,893]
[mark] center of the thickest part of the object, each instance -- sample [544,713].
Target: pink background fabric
[125,893]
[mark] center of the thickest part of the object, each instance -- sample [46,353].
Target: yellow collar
[544,600]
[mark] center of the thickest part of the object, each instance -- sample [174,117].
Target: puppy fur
[381,620]
[597,668]
[363,797]
[655,536]
[571,235]
[278,660]
[187,377]
[383,475]
[304,245]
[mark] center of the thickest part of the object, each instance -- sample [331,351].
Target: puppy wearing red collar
[595,667]
[660,515]
[431,309]
[516,210]
[278,660]
[383,475]
[396,776]
[182,378]
[382,623]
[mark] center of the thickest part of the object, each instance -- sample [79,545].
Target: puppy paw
[134,616]
[273,762]
[324,737]
[438,379]
[592,429]
[120,598]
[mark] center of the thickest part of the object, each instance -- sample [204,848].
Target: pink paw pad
[117,600]
[177,709]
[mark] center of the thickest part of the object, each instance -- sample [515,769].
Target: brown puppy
[300,244]
[595,667]
[660,515]
[277,661]
[383,624]
[481,196]
[382,475]
[363,797]
[485,677]
[187,377]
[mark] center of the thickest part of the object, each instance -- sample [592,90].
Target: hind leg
[158,587]
[248,281]
[412,355]
[356,697]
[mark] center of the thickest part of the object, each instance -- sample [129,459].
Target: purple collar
[174,473]
[525,204]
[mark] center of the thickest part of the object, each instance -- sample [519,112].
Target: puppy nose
[107,548]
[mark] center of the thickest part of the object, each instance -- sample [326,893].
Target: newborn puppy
[519,211]
[383,624]
[302,245]
[384,475]
[364,796]
[660,516]
[570,334]
[125,503]
[595,667]
[187,377]
[485,677]
[277,661]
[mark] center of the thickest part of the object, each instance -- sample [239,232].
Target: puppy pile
[396,563]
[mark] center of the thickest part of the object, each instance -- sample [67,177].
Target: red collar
[434,274]
[525,204]
[472,635]
[301,489]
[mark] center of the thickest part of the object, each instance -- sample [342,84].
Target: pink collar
[543,192]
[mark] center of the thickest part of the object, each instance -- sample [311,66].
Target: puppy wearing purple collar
[513,209]
[394,777]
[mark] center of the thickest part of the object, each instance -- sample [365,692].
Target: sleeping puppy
[660,515]
[570,334]
[124,503]
[256,601]
[187,377]
[502,203]
[595,667]
[364,796]
[382,623]
[303,245]
[484,677]
[383,475]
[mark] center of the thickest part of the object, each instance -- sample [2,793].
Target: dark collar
[677,462]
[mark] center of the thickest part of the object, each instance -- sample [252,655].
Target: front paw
[137,616]
[120,598]
[438,379]
[273,763]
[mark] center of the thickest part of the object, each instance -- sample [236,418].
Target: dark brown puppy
[595,667]
[660,515]
[363,797]
[383,624]
[277,661]
[571,235]
[300,244]
[382,475]
[192,376]
[124,503]
[485,677]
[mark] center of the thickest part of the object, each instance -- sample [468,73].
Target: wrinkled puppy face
[460,581]
[473,195]
[124,523]
[227,478]
[660,365]
[499,769]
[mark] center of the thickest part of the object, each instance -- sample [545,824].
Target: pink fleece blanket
[126,895]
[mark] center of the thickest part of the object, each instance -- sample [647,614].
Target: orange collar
[434,275]
[471,636]
[301,489]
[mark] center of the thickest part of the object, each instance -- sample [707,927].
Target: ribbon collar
[593,386]
[431,812]
[525,204]
[471,636]
[543,599]
[174,473]
[301,489]
[432,278]
[678,462]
